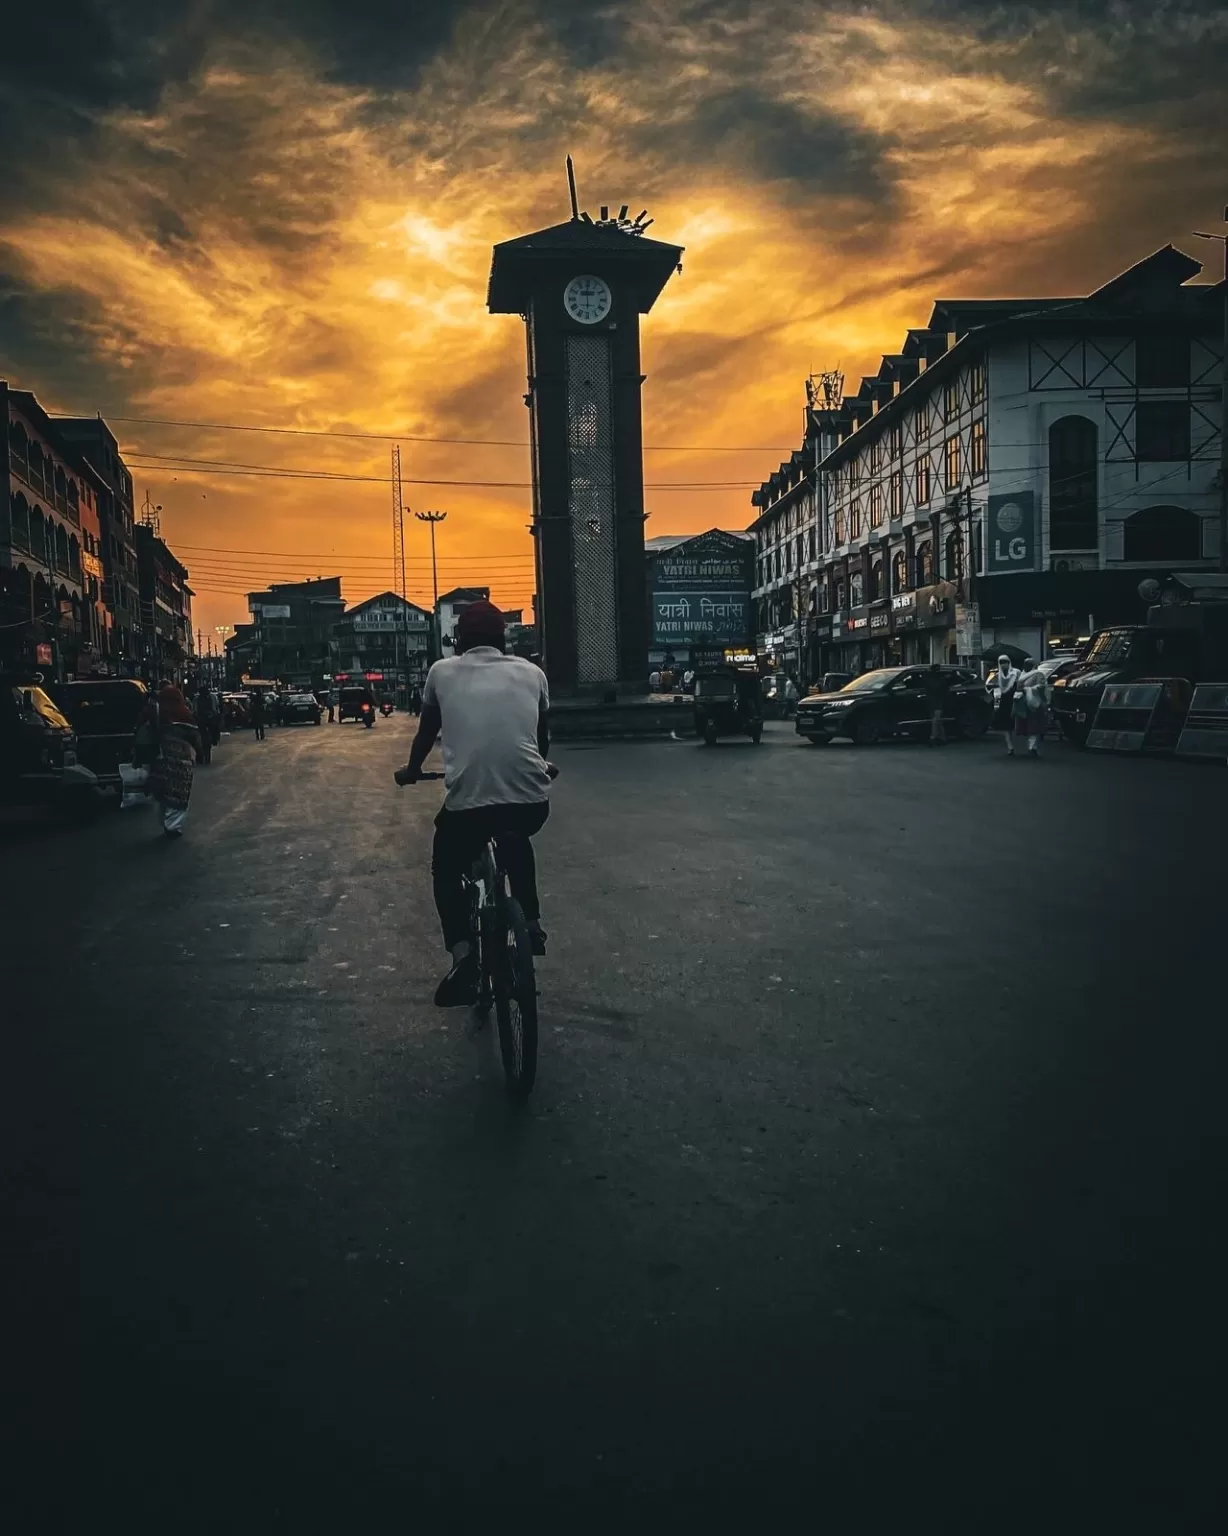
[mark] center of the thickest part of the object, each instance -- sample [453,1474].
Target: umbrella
[1017,656]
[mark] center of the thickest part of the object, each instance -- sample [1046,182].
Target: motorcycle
[368,716]
[385,709]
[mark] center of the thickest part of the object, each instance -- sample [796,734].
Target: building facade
[384,639]
[292,636]
[166,607]
[1011,474]
[51,616]
[95,441]
[699,596]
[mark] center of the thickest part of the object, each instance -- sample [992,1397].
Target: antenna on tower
[150,517]
[398,526]
[571,187]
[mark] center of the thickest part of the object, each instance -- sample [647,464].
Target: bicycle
[507,980]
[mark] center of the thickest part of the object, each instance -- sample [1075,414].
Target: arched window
[62,561]
[19,446]
[899,572]
[74,558]
[61,489]
[1072,484]
[1163,534]
[20,511]
[841,594]
[925,563]
[876,580]
[36,467]
[38,535]
[953,556]
[74,508]
[857,594]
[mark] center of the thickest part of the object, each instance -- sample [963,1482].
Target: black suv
[892,702]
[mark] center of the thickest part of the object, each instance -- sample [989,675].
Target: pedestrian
[790,696]
[654,681]
[332,705]
[258,714]
[206,724]
[170,777]
[1031,705]
[415,701]
[937,685]
[1004,689]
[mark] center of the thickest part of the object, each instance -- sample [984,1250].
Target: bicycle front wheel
[515,987]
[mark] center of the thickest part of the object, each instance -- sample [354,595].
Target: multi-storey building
[293,637]
[385,639]
[1020,466]
[166,607]
[787,559]
[95,441]
[51,612]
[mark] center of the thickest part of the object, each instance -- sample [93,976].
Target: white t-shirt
[489,704]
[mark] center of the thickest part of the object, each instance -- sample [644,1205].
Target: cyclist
[493,712]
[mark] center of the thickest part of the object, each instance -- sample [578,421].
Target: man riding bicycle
[493,712]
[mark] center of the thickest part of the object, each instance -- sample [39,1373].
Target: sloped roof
[610,251]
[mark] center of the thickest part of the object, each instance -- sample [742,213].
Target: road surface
[873,1171]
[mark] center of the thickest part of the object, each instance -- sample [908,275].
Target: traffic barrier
[1205,732]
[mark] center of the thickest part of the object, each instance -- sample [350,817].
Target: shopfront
[1041,611]
[935,623]
[904,628]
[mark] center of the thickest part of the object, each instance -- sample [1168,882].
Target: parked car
[1123,654]
[300,709]
[103,713]
[38,751]
[892,702]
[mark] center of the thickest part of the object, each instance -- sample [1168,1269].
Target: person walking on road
[258,714]
[206,723]
[170,777]
[1005,687]
[415,700]
[790,696]
[1031,705]
[937,686]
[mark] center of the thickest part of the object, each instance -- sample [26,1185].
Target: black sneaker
[537,939]
[459,988]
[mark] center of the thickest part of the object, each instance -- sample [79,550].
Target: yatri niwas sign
[700,591]
[678,618]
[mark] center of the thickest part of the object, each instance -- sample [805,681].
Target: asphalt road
[874,1171]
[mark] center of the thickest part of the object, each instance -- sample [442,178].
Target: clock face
[587,299]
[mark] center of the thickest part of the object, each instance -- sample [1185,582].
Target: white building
[1027,461]
[385,640]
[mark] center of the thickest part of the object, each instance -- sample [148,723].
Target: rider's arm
[543,730]
[429,723]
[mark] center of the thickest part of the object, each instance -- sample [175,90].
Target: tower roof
[605,250]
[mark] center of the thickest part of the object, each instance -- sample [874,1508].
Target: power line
[168,464]
[412,437]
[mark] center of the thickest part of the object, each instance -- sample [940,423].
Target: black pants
[459,836]
[258,727]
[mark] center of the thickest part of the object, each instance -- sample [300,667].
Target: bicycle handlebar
[402,775]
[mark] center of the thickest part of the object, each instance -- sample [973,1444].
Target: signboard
[272,610]
[42,655]
[880,621]
[967,629]
[711,559]
[740,658]
[683,617]
[1012,532]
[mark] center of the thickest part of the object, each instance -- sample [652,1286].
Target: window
[923,480]
[876,506]
[925,563]
[950,400]
[1162,360]
[876,581]
[978,450]
[922,421]
[857,591]
[1163,534]
[855,521]
[897,440]
[895,496]
[811,542]
[876,455]
[789,556]
[953,556]
[778,562]
[951,463]
[801,548]
[1073,504]
[976,380]
[840,527]
[1161,431]
[899,572]
[841,594]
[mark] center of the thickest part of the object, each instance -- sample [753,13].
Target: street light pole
[1223,407]
[432,518]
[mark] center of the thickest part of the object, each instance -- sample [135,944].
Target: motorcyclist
[493,712]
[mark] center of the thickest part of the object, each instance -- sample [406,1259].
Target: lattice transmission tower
[398,527]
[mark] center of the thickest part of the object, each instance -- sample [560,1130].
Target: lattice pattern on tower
[591,467]
[398,527]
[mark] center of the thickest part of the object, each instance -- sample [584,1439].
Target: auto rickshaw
[728,702]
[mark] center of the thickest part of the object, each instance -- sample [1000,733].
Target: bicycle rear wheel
[514,983]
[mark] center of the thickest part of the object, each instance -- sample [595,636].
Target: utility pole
[1223,407]
[398,571]
[432,518]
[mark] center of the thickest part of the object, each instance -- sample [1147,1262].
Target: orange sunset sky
[228,217]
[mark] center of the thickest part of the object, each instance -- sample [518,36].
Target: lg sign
[1012,544]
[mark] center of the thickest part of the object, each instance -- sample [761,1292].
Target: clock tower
[581,288]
